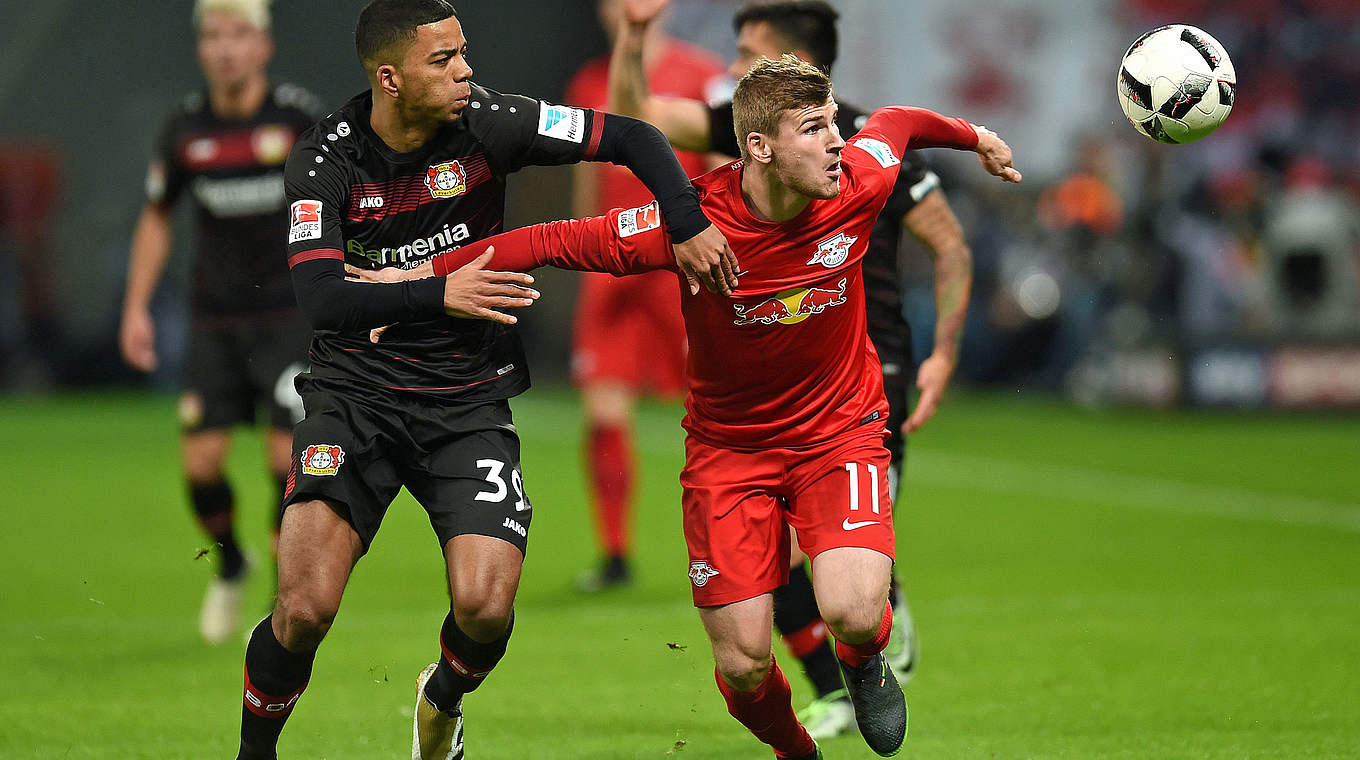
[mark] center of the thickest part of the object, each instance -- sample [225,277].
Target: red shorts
[629,330]
[738,506]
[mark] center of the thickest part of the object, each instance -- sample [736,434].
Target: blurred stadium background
[1224,273]
[1154,577]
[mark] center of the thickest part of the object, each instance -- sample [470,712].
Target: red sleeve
[622,242]
[908,128]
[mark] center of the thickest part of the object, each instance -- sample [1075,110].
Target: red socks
[767,711]
[610,460]
[858,654]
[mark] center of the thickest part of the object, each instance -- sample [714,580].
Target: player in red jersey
[785,412]
[628,338]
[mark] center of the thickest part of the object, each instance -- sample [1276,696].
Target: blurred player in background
[414,166]
[629,338]
[225,147]
[807,29]
[784,416]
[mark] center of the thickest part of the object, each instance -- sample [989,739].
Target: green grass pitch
[1121,584]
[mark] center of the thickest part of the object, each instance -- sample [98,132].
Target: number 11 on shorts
[853,468]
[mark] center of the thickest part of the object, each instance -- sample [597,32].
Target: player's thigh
[342,454]
[464,469]
[484,575]
[317,550]
[740,634]
[216,387]
[851,586]
[277,353]
[734,525]
[840,497]
[608,401]
[204,453]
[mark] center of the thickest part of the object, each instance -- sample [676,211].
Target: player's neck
[400,133]
[242,101]
[767,198]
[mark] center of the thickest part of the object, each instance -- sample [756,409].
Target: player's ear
[758,148]
[388,79]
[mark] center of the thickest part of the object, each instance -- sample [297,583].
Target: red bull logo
[790,307]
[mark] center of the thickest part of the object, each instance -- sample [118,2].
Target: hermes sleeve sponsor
[561,122]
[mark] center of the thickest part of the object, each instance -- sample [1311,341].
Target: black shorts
[232,367]
[357,447]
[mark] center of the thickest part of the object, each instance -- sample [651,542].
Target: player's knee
[482,616]
[303,623]
[851,622]
[743,667]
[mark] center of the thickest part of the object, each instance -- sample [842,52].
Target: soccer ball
[1176,84]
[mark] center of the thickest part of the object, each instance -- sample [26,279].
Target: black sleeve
[316,188]
[644,150]
[914,182]
[333,303]
[165,175]
[517,131]
[722,130]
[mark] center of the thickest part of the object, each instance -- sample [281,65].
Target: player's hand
[642,12]
[389,274]
[995,155]
[137,339]
[932,379]
[473,292]
[706,258]
[376,333]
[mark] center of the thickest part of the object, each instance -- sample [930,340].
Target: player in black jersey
[807,28]
[412,168]
[225,147]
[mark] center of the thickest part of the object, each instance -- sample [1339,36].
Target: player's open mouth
[834,171]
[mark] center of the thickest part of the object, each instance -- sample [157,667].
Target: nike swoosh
[847,525]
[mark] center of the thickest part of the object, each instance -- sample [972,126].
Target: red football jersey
[680,70]
[786,361]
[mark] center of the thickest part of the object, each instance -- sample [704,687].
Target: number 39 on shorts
[498,489]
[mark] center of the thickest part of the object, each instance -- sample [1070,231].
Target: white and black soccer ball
[1176,84]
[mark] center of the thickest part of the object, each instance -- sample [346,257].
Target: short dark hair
[806,24]
[772,87]
[383,23]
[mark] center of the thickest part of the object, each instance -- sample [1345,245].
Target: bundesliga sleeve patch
[305,217]
[641,219]
[878,149]
[561,122]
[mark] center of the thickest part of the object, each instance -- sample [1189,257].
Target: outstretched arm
[684,122]
[905,127]
[933,223]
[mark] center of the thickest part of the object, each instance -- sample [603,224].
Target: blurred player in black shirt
[225,148]
[807,28]
[413,168]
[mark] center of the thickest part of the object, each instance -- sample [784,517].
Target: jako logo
[515,526]
[371,201]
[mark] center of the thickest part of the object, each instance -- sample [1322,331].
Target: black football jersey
[888,327]
[352,196]
[232,169]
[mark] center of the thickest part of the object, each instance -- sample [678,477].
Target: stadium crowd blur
[1121,270]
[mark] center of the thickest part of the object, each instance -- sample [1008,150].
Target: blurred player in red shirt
[629,337]
[785,412]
